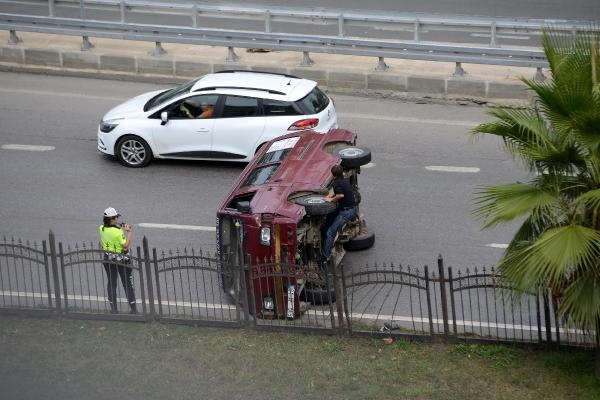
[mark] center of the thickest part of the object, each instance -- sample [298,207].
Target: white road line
[180,227]
[314,312]
[468,124]
[55,94]
[498,245]
[369,165]
[444,168]
[27,147]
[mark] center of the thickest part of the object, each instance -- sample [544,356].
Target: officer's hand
[127,228]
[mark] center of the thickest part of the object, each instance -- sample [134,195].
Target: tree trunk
[597,369]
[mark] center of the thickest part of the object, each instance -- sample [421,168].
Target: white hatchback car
[224,116]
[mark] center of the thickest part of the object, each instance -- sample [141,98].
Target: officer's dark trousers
[112,270]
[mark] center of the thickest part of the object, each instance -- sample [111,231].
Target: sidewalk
[132,60]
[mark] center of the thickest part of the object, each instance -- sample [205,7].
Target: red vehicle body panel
[305,169]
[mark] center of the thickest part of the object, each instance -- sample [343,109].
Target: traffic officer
[115,239]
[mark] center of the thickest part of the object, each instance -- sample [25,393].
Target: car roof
[306,168]
[256,83]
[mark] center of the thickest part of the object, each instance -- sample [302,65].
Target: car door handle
[203,130]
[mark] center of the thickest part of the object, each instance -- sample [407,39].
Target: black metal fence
[188,287]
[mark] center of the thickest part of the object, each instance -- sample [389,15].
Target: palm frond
[501,203]
[581,299]
[552,258]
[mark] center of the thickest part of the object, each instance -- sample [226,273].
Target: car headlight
[107,126]
[265,236]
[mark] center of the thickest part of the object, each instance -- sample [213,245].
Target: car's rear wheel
[316,204]
[133,152]
[361,242]
[353,156]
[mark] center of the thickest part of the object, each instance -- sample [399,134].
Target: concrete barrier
[178,66]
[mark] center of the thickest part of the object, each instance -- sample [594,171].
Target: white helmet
[111,213]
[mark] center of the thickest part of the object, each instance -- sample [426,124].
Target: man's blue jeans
[341,218]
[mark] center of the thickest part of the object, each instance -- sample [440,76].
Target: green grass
[64,359]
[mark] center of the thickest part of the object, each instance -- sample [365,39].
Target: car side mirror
[164,117]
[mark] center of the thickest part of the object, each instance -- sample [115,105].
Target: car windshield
[170,94]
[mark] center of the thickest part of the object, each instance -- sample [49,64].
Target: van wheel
[361,242]
[133,152]
[353,157]
[317,295]
[315,204]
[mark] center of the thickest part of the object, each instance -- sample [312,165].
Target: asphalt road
[416,213]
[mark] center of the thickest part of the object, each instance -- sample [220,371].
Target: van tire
[353,157]
[316,204]
[361,242]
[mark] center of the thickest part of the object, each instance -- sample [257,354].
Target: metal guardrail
[395,35]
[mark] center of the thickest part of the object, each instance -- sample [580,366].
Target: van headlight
[107,126]
[265,236]
[268,303]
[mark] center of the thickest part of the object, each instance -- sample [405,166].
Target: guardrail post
[55,277]
[82,9]
[267,21]
[158,50]
[493,35]
[459,72]
[417,27]
[381,65]
[195,15]
[231,56]
[539,74]
[13,38]
[122,10]
[443,295]
[341,25]
[306,60]
[86,44]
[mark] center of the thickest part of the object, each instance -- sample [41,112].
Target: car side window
[236,106]
[193,107]
[277,107]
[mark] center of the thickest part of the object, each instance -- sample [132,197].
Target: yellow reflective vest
[112,238]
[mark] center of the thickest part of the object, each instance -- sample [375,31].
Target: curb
[166,70]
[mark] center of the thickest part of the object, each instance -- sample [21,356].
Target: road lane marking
[27,147]
[468,124]
[55,94]
[180,227]
[446,168]
[369,165]
[498,245]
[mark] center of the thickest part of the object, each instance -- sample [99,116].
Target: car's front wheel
[133,152]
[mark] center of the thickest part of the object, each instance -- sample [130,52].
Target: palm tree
[558,140]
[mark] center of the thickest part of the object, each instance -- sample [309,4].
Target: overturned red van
[274,215]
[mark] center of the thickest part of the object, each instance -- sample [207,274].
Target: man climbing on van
[346,210]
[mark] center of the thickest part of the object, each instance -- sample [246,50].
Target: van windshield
[261,175]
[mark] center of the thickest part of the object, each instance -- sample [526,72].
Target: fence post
[338,298]
[55,277]
[427,290]
[443,295]
[453,305]
[345,303]
[246,303]
[150,291]
[547,316]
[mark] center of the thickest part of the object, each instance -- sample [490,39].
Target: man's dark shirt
[342,186]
